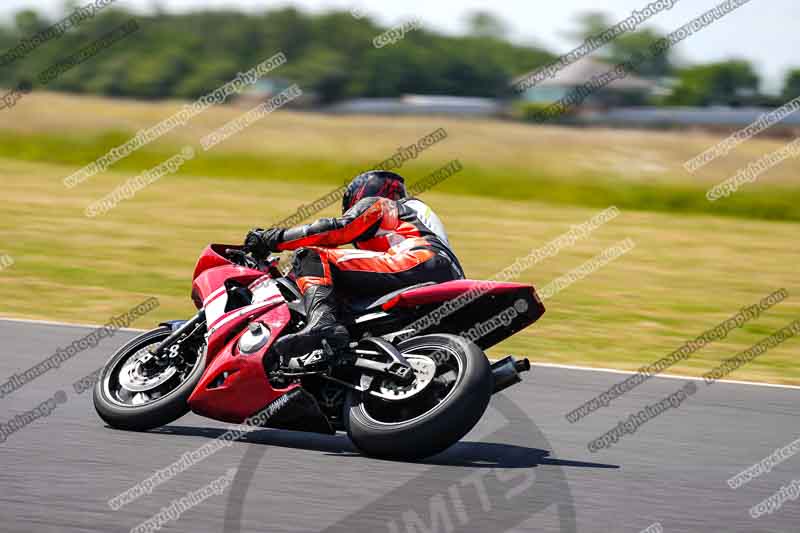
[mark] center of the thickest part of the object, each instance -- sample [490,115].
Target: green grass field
[694,264]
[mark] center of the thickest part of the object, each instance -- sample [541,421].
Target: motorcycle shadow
[502,455]
[462,454]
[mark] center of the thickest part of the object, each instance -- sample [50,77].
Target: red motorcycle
[414,381]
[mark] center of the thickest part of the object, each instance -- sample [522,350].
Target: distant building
[416,104]
[630,90]
[266,88]
[716,119]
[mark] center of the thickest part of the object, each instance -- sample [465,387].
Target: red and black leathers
[400,243]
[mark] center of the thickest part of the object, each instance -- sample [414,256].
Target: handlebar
[248,260]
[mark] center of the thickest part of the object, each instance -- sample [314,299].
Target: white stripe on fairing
[236,313]
[214,295]
[546,365]
[263,279]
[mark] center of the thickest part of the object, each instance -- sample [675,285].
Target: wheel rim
[136,381]
[424,372]
[428,399]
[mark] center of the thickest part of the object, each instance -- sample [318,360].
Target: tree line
[332,55]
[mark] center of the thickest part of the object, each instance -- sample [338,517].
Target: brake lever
[255,262]
[238,257]
[271,266]
[251,261]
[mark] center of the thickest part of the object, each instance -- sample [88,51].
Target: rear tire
[439,428]
[155,414]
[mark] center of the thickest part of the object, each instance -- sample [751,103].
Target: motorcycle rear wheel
[433,420]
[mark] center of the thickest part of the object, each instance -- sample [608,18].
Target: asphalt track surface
[524,468]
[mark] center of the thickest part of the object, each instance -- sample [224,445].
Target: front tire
[444,424]
[171,402]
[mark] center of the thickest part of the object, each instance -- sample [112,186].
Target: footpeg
[304,361]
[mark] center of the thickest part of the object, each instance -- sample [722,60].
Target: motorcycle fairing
[492,299]
[235,386]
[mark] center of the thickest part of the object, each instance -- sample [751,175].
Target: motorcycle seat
[372,304]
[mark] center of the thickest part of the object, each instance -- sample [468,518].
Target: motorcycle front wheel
[451,391]
[135,394]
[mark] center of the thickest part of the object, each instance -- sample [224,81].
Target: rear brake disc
[424,372]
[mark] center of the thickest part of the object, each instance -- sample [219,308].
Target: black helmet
[374,183]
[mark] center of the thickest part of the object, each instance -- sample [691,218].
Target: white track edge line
[546,365]
[64,324]
[665,376]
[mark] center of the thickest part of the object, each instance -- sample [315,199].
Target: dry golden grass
[597,153]
[686,274]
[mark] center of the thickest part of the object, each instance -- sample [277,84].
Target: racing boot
[320,303]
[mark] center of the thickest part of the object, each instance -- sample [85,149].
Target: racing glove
[262,242]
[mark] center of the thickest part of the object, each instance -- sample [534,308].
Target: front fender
[173,324]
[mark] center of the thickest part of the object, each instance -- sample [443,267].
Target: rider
[400,240]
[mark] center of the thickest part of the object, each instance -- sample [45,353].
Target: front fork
[188,329]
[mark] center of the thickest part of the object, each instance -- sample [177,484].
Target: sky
[762,31]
